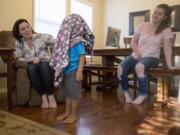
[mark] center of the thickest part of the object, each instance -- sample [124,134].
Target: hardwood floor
[104,113]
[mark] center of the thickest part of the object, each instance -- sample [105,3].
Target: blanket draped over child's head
[73,30]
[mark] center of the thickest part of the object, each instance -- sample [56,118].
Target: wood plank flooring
[105,113]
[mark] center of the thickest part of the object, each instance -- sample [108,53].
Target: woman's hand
[21,59]
[79,75]
[36,60]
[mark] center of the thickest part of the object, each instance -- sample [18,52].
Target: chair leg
[84,82]
[89,80]
[99,78]
[149,89]
[135,86]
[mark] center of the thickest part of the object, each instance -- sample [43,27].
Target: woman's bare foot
[52,101]
[62,117]
[45,103]
[70,119]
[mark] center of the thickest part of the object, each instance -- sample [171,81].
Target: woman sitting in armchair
[31,47]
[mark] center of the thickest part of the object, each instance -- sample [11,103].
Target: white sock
[140,99]
[127,97]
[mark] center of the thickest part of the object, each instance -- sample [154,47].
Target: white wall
[116,13]
[11,10]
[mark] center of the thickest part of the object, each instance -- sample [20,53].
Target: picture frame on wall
[135,18]
[175,18]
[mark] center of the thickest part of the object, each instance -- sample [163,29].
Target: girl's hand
[137,55]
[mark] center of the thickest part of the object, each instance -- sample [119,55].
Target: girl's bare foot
[139,100]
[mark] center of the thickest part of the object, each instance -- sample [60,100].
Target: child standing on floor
[72,82]
[75,41]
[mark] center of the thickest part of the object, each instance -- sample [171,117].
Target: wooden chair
[106,75]
[165,74]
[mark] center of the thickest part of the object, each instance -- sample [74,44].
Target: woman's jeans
[129,64]
[41,77]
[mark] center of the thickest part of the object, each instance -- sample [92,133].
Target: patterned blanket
[72,31]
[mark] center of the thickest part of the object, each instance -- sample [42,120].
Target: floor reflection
[105,113]
[48,114]
[161,119]
[96,95]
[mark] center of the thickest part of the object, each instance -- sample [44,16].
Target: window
[83,8]
[49,15]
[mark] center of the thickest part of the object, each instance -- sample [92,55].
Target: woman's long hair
[166,22]
[15,30]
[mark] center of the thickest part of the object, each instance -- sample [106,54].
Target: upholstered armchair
[23,92]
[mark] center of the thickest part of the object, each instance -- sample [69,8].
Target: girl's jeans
[129,64]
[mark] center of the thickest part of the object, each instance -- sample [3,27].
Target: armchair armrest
[20,64]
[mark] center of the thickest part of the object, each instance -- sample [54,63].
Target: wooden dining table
[108,55]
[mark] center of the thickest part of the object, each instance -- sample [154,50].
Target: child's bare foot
[70,119]
[52,101]
[62,117]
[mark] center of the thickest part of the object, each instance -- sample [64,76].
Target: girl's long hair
[166,22]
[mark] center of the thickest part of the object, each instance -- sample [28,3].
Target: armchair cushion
[25,93]
[22,85]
